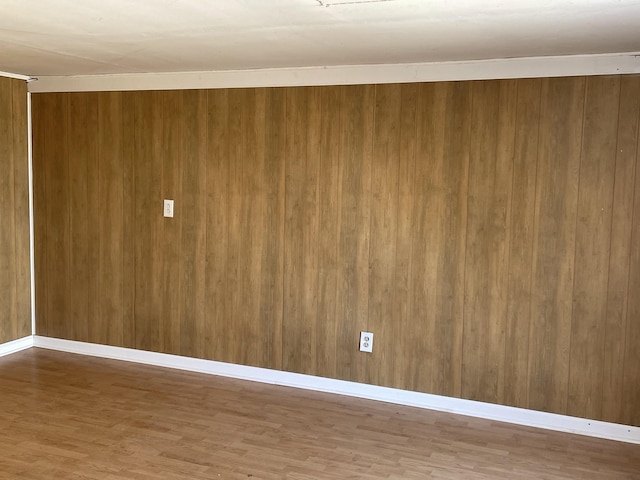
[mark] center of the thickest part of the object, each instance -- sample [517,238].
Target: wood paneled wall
[487,232]
[15,283]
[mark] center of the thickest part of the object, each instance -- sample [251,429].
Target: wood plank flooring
[78,417]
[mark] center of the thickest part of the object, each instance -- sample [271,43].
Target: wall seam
[31,215]
[575,244]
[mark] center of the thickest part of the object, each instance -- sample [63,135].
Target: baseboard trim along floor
[16,345]
[501,413]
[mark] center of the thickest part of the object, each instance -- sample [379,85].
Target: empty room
[304,239]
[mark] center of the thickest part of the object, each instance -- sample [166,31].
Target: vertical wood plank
[149,221]
[21,206]
[40,108]
[560,135]
[111,195]
[94,235]
[8,292]
[352,307]
[593,239]
[249,341]
[83,157]
[272,289]
[193,220]
[235,336]
[437,256]
[630,410]
[128,219]
[301,229]
[329,195]
[383,320]
[258,273]
[619,266]
[171,135]
[490,176]
[427,201]
[56,166]
[406,204]
[452,186]
[214,342]
[518,322]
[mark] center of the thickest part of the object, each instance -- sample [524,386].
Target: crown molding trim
[532,67]
[15,75]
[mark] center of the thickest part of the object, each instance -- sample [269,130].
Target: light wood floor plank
[78,417]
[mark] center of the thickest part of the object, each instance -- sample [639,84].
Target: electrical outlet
[366,342]
[168,208]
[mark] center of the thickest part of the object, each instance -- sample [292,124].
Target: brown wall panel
[57,211]
[559,147]
[193,220]
[22,272]
[355,139]
[630,397]
[487,247]
[383,318]
[83,166]
[216,338]
[522,211]
[303,161]
[328,207]
[8,291]
[404,371]
[15,313]
[593,241]
[622,223]
[485,232]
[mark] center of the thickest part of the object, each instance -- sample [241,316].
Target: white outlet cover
[168,208]
[366,342]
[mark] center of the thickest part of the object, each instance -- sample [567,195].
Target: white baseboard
[16,345]
[519,416]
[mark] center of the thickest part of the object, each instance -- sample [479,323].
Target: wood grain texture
[83,162]
[193,221]
[487,247]
[8,290]
[438,235]
[352,301]
[383,318]
[630,398]
[404,372]
[22,272]
[523,197]
[301,229]
[618,293]
[593,241]
[171,135]
[560,139]
[216,337]
[149,251]
[8,264]
[486,232]
[84,417]
[40,107]
[111,207]
[329,198]
[56,210]
[128,153]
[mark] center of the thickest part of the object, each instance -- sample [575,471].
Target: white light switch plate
[168,208]
[366,342]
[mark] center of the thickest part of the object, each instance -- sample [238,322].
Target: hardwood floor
[78,417]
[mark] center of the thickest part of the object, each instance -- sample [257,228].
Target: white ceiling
[86,37]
